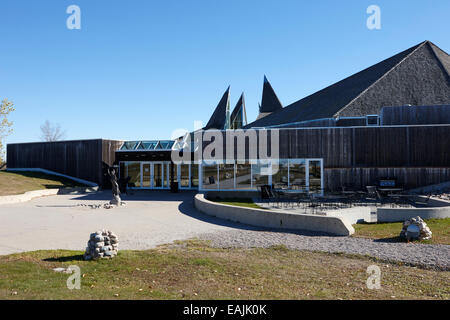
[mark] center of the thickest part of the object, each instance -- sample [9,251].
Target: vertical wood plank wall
[80,158]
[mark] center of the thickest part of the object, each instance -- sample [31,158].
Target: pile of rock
[415,229]
[102,244]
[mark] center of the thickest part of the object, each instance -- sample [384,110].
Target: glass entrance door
[153,175]
[158,175]
[146,175]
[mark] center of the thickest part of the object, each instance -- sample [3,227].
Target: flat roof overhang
[156,155]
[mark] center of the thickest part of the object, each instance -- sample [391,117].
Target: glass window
[129,145]
[134,172]
[184,175]
[158,175]
[194,175]
[243,176]
[280,174]
[260,174]
[175,172]
[226,176]
[315,184]
[210,180]
[146,175]
[297,174]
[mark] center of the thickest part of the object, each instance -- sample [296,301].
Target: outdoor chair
[374,195]
[266,193]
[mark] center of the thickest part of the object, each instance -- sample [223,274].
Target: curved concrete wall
[274,219]
[402,214]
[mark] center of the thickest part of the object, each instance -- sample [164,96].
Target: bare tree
[51,132]
[6,107]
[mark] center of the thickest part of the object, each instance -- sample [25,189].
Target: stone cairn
[415,229]
[102,245]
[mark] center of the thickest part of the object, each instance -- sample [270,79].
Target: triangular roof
[221,117]
[418,75]
[239,109]
[269,101]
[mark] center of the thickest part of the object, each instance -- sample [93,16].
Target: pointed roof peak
[238,117]
[220,116]
[269,101]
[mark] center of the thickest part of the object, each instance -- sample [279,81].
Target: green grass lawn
[20,182]
[244,202]
[194,270]
[390,231]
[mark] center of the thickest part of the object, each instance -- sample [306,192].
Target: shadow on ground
[78,257]
[390,240]
[138,195]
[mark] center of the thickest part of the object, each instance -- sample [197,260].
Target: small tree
[51,132]
[6,107]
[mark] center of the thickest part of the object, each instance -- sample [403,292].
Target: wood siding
[82,159]
[415,115]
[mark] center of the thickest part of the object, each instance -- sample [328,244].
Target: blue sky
[139,69]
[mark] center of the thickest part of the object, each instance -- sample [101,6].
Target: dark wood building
[83,159]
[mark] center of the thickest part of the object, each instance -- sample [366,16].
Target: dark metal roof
[220,117]
[269,101]
[410,77]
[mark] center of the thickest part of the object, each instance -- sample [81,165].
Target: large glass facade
[294,174]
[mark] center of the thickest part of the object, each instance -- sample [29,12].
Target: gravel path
[432,256]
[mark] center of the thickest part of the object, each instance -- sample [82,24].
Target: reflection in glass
[210,180]
[243,176]
[157,175]
[314,176]
[175,173]
[297,174]
[184,175]
[166,175]
[194,175]
[280,174]
[146,175]
[134,172]
[260,173]
[226,176]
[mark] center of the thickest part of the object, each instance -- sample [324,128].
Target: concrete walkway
[59,222]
